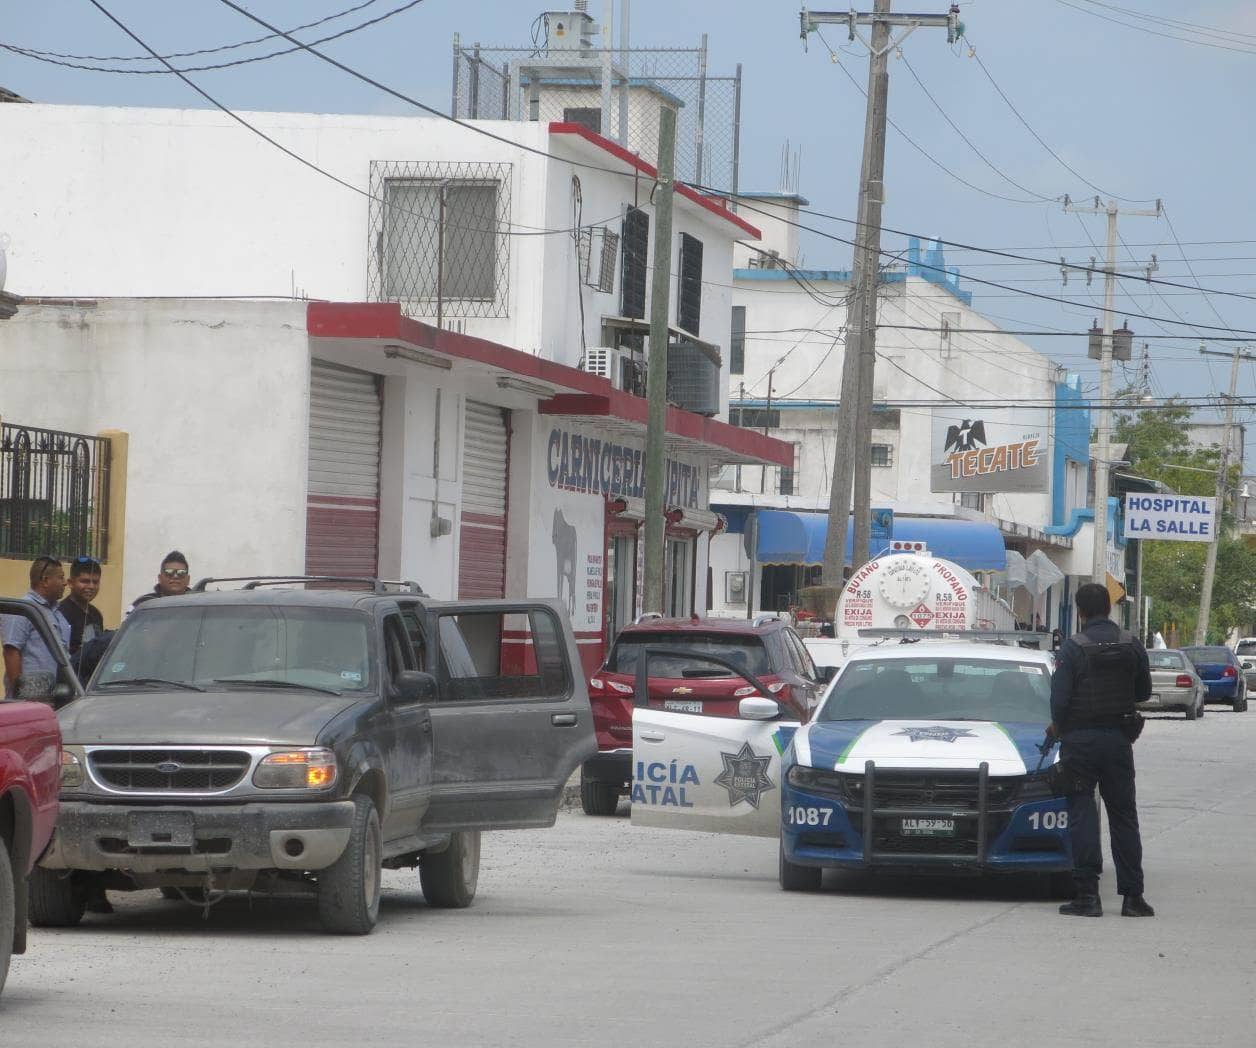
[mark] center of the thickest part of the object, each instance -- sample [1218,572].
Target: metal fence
[54,493]
[494,83]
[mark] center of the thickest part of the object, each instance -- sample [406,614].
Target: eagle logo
[968,436]
[935,733]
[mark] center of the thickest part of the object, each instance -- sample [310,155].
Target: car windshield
[1207,655]
[745,652]
[219,646]
[1165,660]
[940,688]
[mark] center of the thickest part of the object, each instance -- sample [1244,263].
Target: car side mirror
[825,674]
[755,707]
[414,686]
[61,694]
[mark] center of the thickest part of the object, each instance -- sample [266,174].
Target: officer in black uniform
[1101,674]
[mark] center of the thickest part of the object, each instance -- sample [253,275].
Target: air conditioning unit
[605,362]
[693,379]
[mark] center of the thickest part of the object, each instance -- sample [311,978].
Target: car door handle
[563,720]
[652,736]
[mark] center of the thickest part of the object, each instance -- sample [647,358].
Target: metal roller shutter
[482,538]
[342,511]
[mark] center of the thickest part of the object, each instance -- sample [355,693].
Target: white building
[165,258]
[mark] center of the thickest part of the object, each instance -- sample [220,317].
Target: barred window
[440,233]
[689,295]
[737,342]
[754,418]
[882,455]
[636,241]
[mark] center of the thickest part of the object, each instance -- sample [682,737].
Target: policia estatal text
[1101,675]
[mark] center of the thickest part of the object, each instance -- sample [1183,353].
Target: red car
[767,648]
[30,780]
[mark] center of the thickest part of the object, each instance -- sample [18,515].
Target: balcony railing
[54,493]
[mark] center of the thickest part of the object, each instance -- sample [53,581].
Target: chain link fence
[529,83]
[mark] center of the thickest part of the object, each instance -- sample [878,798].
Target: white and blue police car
[922,757]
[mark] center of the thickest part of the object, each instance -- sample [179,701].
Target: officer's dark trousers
[1102,757]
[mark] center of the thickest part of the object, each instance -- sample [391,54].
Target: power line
[1156,32]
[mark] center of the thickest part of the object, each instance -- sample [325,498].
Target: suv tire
[56,899]
[795,878]
[8,912]
[598,798]
[349,889]
[449,877]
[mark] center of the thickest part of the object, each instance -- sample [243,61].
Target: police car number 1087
[799,816]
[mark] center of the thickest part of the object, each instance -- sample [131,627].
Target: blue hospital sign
[1184,518]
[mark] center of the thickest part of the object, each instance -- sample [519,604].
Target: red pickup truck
[30,778]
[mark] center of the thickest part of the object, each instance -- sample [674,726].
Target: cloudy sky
[1142,99]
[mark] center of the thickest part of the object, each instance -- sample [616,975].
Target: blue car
[922,757]
[1219,668]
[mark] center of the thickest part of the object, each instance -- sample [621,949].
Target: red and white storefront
[499,473]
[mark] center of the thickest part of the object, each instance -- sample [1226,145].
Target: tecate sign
[1180,518]
[990,450]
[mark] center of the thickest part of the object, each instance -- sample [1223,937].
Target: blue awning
[787,537]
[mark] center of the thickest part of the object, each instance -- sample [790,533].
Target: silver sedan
[1174,684]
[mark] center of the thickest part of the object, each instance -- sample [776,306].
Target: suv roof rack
[252,582]
[760,620]
[647,615]
[997,636]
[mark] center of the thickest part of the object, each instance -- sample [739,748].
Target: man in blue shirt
[1100,677]
[30,668]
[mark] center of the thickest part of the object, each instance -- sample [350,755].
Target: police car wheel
[795,878]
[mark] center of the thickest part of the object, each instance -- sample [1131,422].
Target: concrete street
[595,932]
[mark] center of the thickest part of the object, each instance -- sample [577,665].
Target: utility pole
[1223,481]
[1099,559]
[656,373]
[853,461]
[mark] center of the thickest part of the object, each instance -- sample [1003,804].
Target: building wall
[214,398]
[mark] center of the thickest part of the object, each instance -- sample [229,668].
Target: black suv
[281,739]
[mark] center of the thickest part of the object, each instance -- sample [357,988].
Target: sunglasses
[175,573]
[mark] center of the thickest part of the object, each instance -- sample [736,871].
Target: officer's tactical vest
[1106,693]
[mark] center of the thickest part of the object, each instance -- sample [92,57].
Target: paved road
[599,933]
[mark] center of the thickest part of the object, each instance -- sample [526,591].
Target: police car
[921,757]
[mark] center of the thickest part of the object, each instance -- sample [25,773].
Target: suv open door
[512,718]
[719,774]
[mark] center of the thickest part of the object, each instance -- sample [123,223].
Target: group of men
[30,668]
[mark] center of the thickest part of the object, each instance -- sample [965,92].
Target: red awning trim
[586,398]
[716,205]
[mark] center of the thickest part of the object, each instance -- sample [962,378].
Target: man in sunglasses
[172,580]
[30,668]
[84,617]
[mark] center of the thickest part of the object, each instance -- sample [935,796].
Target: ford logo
[169,767]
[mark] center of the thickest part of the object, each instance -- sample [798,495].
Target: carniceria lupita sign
[593,466]
[1181,518]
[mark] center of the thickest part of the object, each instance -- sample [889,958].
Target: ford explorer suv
[302,739]
[30,754]
[766,647]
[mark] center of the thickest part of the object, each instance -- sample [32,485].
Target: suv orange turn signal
[311,769]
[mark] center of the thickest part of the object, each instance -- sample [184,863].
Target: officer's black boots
[1136,906]
[1083,906]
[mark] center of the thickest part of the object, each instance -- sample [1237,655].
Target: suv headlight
[72,773]
[307,769]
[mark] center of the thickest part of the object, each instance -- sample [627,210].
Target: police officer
[1101,674]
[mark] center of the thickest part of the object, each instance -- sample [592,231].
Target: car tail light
[623,689]
[596,684]
[1183,680]
[749,689]
[1229,671]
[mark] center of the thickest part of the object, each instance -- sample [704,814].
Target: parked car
[1219,669]
[766,647]
[281,740]
[30,756]
[1245,649]
[1174,684]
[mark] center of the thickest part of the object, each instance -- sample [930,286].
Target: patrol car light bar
[997,636]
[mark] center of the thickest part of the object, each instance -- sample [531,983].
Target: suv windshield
[317,648]
[1207,655]
[940,689]
[746,652]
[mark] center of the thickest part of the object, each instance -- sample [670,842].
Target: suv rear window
[1246,647]
[1165,660]
[1208,654]
[743,651]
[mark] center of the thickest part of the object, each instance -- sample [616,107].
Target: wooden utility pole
[852,464]
[656,373]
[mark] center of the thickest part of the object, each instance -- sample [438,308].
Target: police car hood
[941,745]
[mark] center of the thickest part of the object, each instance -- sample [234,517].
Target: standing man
[172,579]
[84,618]
[1101,675]
[30,668]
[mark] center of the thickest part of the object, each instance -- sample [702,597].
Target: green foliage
[1173,571]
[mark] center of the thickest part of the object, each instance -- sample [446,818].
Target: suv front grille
[145,770]
[896,789]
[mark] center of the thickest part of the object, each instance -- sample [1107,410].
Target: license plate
[1154,697]
[928,827]
[160,829]
[682,705]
